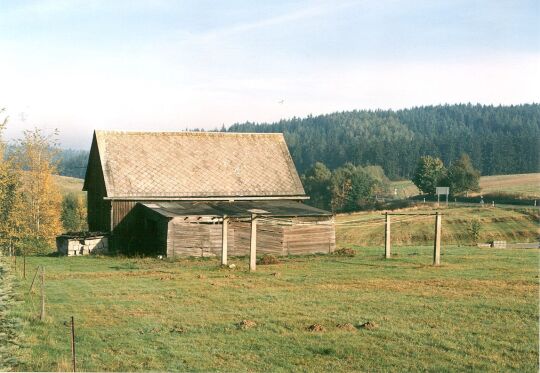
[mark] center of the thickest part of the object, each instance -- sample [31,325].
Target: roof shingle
[196,164]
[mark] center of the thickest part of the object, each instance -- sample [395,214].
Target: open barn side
[197,229]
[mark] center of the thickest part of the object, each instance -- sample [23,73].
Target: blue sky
[169,65]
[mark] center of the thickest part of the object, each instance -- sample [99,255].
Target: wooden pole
[437,242]
[253,245]
[224,242]
[73,342]
[34,279]
[387,244]
[42,314]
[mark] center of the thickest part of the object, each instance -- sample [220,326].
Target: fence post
[73,342]
[253,245]
[387,243]
[437,241]
[42,314]
[224,240]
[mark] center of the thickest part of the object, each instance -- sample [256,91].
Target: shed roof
[239,209]
[196,164]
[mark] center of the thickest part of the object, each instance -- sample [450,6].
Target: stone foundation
[73,245]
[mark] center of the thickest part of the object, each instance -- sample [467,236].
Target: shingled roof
[196,164]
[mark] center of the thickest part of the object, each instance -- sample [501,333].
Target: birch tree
[41,198]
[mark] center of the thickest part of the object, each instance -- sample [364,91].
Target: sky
[174,65]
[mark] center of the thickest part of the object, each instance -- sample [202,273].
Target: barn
[201,194]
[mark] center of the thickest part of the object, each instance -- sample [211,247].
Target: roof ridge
[193,133]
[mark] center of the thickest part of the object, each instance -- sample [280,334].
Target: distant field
[477,312]
[525,185]
[512,225]
[69,184]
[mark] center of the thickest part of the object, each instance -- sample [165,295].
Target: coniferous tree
[10,199]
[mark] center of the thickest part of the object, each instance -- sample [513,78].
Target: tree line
[352,188]
[498,139]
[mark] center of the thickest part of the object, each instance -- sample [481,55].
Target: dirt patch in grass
[268,259]
[177,329]
[347,327]
[247,324]
[370,325]
[345,252]
[316,328]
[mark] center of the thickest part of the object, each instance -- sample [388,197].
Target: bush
[474,230]
[33,246]
[268,259]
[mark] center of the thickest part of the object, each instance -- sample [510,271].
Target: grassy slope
[69,184]
[525,185]
[512,225]
[479,311]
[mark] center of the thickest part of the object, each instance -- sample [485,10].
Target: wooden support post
[224,242]
[253,244]
[42,313]
[73,342]
[34,279]
[437,242]
[387,242]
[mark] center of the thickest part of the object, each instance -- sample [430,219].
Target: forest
[498,139]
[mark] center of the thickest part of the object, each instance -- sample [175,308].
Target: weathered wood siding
[269,238]
[202,237]
[309,236]
[99,210]
[194,237]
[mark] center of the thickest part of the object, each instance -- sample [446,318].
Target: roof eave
[207,198]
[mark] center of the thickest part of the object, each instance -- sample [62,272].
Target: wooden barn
[201,193]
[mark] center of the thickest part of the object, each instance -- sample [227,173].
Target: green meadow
[478,311]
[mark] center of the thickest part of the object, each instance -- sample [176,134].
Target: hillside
[499,140]
[69,184]
[512,225]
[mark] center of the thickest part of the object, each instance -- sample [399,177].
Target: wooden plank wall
[192,237]
[309,236]
[269,238]
[120,210]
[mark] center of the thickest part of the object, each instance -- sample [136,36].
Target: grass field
[478,311]
[512,225]
[69,184]
[523,185]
